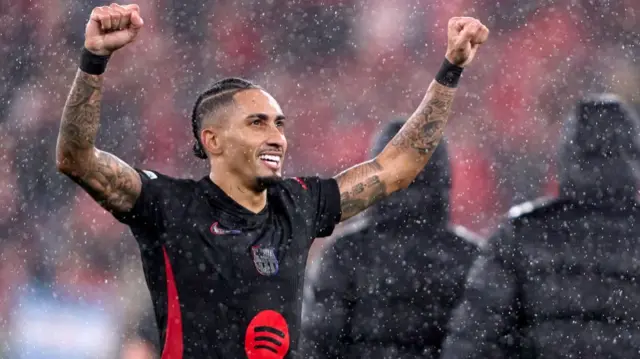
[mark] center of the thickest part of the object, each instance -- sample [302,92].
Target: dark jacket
[386,290]
[560,277]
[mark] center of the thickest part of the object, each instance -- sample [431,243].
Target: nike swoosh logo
[217,230]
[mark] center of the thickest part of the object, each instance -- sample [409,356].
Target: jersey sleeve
[149,209]
[323,202]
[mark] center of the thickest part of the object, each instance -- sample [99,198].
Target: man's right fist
[112,27]
[465,35]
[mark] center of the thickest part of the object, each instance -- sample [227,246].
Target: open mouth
[271,161]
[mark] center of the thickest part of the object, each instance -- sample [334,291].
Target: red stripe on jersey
[299,180]
[173,340]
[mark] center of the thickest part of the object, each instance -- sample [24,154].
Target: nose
[276,138]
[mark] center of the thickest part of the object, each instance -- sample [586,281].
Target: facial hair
[265,182]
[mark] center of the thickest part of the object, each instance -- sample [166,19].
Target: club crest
[265,260]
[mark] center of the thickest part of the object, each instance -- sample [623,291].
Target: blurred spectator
[558,279]
[386,290]
[144,341]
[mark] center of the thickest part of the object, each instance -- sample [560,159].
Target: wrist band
[93,64]
[449,74]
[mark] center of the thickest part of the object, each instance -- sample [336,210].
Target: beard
[265,182]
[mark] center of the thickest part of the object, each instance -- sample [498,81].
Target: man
[387,290]
[560,278]
[224,256]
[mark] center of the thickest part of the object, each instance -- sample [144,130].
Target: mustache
[272,149]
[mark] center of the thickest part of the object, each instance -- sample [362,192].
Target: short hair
[219,94]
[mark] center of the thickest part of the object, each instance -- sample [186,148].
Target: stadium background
[71,284]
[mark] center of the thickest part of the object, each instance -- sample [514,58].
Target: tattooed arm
[111,182]
[409,151]
[402,159]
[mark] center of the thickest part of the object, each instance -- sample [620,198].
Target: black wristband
[449,74]
[93,64]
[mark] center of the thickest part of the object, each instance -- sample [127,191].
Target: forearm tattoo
[424,129]
[81,115]
[110,181]
[410,149]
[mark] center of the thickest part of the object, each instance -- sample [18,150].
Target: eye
[280,123]
[256,122]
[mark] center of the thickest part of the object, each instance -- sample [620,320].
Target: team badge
[265,260]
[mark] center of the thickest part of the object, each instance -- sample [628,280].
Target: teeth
[271,158]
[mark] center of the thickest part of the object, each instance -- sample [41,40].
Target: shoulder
[165,183]
[467,237]
[526,218]
[306,184]
[539,208]
[308,192]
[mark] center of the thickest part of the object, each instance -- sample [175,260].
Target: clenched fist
[112,27]
[465,35]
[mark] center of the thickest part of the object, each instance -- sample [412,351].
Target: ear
[210,138]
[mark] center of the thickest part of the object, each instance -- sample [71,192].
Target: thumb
[465,35]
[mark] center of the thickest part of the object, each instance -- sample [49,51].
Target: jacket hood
[599,151]
[425,203]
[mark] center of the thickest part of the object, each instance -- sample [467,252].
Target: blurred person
[144,341]
[224,256]
[559,277]
[387,289]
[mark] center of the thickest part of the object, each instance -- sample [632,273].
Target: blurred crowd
[69,273]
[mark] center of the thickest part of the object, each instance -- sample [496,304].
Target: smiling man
[224,256]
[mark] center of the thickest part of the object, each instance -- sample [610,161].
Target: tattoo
[81,115]
[424,129]
[110,181]
[401,161]
[360,187]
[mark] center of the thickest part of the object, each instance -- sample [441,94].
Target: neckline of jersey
[219,198]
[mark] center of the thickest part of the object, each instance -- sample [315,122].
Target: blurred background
[71,283]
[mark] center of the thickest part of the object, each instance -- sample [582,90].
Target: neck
[240,192]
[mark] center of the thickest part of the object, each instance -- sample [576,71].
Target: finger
[136,20]
[115,16]
[455,24]
[132,7]
[482,35]
[95,15]
[125,16]
[468,33]
[105,18]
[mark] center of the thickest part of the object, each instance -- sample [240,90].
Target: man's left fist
[465,35]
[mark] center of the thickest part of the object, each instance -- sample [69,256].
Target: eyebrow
[265,117]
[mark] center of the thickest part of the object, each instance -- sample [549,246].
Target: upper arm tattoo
[110,181]
[360,186]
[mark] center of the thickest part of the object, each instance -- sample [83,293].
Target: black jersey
[227,282]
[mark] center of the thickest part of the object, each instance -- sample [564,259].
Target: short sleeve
[323,202]
[148,211]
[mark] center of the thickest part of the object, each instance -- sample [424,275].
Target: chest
[218,255]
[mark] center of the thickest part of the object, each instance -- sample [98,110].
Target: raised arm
[110,181]
[409,151]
